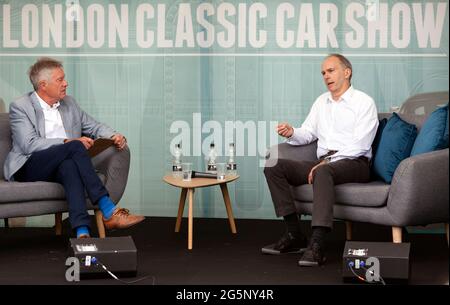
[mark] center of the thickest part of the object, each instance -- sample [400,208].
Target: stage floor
[37,256]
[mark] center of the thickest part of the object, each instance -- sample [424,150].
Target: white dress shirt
[348,125]
[54,128]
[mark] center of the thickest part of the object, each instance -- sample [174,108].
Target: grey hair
[344,61]
[42,69]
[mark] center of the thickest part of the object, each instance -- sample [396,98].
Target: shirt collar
[346,97]
[46,106]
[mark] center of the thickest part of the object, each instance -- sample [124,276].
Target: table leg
[226,199]
[180,209]
[190,220]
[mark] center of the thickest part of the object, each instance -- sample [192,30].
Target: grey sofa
[418,194]
[19,199]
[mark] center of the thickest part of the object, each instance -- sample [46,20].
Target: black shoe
[288,243]
[313,256]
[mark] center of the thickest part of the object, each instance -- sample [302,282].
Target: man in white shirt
[51,136]
[344,122]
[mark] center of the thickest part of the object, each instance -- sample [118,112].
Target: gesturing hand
[285,130]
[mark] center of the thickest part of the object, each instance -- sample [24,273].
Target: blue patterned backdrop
[143,65]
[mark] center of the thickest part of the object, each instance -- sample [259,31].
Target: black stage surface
[37,256]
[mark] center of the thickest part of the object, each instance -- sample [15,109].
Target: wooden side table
[188,188]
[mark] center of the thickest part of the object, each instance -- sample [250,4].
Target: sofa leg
[397,235]
[58,223]
[100,225]
[446,231]
[348,230]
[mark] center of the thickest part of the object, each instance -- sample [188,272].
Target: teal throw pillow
[376,141]
[434,133]
[395,145]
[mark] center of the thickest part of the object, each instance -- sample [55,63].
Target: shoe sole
[277,252]
[125,227]
[311,264]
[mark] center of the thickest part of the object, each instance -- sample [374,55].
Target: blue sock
[82,230]
[106,206]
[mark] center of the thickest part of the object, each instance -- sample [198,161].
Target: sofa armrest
[419,190]
[115,165]
[291,152]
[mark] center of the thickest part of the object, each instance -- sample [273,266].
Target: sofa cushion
[434,133]
[32,191]
[395,145]
[372,194]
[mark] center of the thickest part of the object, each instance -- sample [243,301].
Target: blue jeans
[70,165]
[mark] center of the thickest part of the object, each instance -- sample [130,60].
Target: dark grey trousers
[288,173]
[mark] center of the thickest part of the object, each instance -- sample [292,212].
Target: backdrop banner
[196,72]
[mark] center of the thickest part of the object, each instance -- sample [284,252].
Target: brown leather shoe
[121,219]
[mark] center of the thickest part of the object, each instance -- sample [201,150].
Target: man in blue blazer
[51,135]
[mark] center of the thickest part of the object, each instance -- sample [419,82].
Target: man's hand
[87,142]
[119,141]
[285,130]
[311,173]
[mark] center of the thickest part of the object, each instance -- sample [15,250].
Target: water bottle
[212,155]
[231,164]
[176,162]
